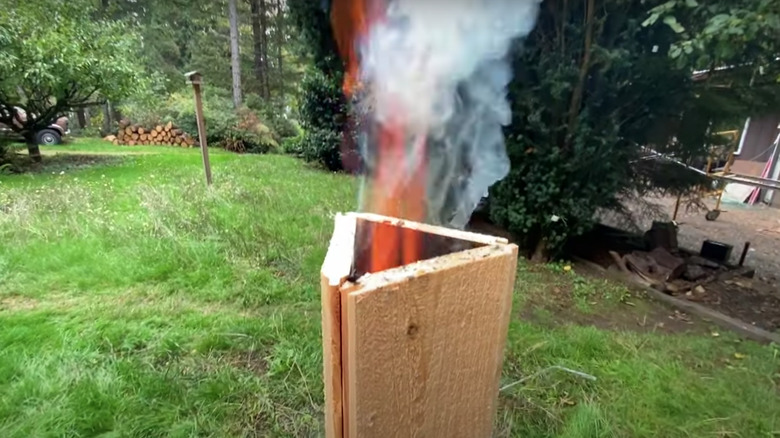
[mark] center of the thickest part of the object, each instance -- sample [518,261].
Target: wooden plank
[433,229]
[335,270]
[423,345]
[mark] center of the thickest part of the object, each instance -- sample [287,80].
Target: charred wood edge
[743,329]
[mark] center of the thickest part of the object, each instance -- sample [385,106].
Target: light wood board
[415,350]
[422,353]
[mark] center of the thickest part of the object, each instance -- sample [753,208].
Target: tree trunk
[279,45]
[235,55]
[116,114]
[106,120]
[257,39]
[541,253]
[82,118]
[32,147]
[264,26]
[579,89]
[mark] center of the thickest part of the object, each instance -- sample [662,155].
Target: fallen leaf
[715,334]
[739,356]
[567,268]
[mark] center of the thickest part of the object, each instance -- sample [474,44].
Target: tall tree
[279,49]
[264,40]
[258,32]
[81,116]
[235,54]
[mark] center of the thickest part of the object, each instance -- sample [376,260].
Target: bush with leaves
[595,82]
[238,131]
[593,85]
[323,108]
[280,124]
[323,113]
[54,57]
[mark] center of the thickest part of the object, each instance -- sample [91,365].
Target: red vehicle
[52,134]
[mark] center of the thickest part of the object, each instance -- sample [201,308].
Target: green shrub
[293,145]
[238,131]
[284,127]
[323,115]
[323,147]
[280,123]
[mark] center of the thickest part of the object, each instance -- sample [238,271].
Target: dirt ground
[635,312]
[755,301]
[737,224]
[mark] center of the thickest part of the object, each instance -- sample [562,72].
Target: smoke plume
[439,69]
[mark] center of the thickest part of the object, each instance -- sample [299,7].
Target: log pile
[130,134]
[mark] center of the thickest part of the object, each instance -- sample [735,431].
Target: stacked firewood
[130,134]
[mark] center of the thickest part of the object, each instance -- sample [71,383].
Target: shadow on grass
[22,163]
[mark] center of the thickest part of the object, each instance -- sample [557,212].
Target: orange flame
[398,187]
[350,22]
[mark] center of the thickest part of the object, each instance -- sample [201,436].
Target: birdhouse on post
[196,80]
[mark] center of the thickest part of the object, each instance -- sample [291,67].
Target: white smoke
[441,65]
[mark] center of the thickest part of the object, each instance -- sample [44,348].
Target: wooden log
[143,137]
[417,350]
[158,128]
[135,128]
[115,142]
[128,130]
[168,126]
[110,138]
[141,130]
[135,136]
[124,123]
[131,143]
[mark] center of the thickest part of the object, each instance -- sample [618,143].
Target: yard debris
[130,134]
[694,273]
[662,234]
[665,259]
[716,251]
[701,261]
[681,316]
[546,370]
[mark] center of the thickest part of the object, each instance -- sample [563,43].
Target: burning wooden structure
[415,347]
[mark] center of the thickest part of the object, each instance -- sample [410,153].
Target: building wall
[757,148]
[760,136]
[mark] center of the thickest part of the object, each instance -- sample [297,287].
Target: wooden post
[195,79]
[677,207]
[416,350]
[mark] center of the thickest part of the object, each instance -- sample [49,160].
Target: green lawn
[136,302]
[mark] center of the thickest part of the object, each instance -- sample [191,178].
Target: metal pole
[744,253]
[204,150]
